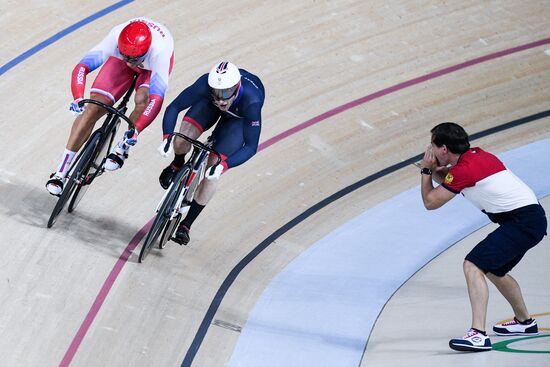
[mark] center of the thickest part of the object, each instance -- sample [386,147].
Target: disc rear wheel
[96,163]
[169,231]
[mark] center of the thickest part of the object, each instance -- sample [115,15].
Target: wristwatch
[426,171]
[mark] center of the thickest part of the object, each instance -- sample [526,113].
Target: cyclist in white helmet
[230,98]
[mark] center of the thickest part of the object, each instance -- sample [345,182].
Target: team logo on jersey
[255,123]
[449,178]
[81,75]
[149,107]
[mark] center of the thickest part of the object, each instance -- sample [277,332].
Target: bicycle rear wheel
[81,167]
[94,169]
[168,231]
[164,213]
[81,189]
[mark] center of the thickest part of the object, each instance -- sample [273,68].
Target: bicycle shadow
[31,206]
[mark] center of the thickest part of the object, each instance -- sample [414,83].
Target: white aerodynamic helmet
[224,79]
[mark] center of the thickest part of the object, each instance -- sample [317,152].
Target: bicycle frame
[197,164]
[109,124]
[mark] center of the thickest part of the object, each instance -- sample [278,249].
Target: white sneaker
[515,327]
[115,160]
[55,184]
[473,341]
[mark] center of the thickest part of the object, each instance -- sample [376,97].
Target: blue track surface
[320,309]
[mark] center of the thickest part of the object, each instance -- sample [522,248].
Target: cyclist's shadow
[32,206]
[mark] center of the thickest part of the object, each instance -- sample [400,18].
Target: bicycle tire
[99,154]
[163,215]
[81,189]
[70,184]
[78,195]
[69,187]
[172,225]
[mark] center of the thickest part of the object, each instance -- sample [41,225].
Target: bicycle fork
[188,192]
[193,182]
[98,168]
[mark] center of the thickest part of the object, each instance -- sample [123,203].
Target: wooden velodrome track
[353,87]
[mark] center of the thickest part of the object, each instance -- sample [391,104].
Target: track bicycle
[179,195]
[89,163]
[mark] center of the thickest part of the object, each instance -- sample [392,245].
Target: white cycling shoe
[55,184]
[115,160]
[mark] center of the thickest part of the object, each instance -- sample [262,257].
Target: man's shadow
[32,206]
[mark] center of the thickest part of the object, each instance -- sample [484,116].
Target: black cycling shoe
[182,235]
[167,175]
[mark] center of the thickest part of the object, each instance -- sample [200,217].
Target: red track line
[396,88]
[100,298]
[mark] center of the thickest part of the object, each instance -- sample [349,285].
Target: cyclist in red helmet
[141,46]
[134,41]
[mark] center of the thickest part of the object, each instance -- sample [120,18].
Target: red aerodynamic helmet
[135,39]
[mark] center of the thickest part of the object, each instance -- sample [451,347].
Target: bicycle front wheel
[82,166]
[164,213]
[70,185]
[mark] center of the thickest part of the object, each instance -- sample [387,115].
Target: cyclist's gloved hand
[165,149]
[214,172]
[76,108]
[130,137]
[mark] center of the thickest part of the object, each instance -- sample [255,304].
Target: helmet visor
[225,94]
[133,60]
